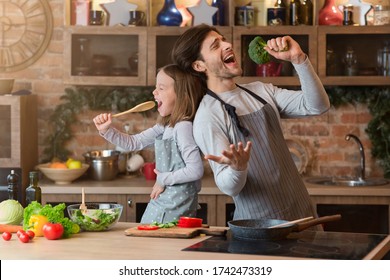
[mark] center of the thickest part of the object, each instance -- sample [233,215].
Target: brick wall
[323,136]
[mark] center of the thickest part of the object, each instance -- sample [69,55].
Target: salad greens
[55,214]
[96,220]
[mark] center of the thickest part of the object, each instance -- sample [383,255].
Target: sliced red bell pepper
[147,227]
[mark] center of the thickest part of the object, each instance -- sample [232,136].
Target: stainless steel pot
[103,164]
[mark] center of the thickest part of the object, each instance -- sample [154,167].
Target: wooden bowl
[62,176]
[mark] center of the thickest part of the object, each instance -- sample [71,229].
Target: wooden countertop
[109,245]
[114,244]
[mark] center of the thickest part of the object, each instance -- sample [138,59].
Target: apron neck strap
[232,113]
[253,94]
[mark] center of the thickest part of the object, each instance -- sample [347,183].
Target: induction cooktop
[305,244]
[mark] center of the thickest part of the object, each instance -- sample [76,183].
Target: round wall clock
[25,32]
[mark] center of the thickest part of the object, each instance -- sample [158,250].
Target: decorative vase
[169,14]
[330,14]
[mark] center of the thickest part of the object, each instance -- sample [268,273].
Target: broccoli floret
[257,52]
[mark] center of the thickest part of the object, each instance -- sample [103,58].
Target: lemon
[68,162]
[75,164]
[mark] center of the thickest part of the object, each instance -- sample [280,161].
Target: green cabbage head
[11,212]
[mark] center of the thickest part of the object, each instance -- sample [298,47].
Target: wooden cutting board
[176,232]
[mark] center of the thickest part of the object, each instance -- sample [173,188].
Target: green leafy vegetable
[257,52]
[11,212]
[54,215]
[165,225]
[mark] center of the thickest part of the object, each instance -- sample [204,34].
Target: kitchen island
[115,245]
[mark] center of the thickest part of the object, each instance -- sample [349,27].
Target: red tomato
[6,235]
[147,227]
[53,231]
[19,232]
[30,233]
[23,237]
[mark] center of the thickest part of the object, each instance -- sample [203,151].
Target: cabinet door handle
[129,202]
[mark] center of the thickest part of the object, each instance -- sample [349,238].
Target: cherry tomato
[23,237]
[147,227]
[31,234]
[6,235]
[53,231]
[19,232]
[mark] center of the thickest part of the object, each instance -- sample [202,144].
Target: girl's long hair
[189,93]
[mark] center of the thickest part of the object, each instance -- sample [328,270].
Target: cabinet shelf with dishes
[349,55]
[105,55]
[151,45]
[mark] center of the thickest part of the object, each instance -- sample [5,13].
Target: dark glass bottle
[306,12]
[277,14]
[33,192]
[294,12]
[13,180]
[280,4]
[219,16]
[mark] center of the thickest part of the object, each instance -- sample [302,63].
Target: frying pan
[258,229]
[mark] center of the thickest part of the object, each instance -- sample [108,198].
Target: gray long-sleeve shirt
[182,135]
[214,130]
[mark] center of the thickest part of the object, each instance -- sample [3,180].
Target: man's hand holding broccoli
[283,48]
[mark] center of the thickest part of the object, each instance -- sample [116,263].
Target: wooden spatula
[83,207]
[139,108]
[292,222]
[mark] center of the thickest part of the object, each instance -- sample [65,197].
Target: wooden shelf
[153,44]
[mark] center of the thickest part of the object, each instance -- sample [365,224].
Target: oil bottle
[33,191]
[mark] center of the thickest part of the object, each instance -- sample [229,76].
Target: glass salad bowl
[97,217]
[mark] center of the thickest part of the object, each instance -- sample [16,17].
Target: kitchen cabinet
[105,55]
[152,44]
[18,139]
[364,41]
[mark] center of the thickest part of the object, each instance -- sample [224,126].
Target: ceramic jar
[330,14]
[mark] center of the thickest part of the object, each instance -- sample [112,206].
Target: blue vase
[169,14]
[219,17]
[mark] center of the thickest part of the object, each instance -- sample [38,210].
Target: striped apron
[274,188]
[176,200]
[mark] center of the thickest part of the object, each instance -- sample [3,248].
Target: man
[238,129]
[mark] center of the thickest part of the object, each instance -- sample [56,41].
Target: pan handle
[304,225]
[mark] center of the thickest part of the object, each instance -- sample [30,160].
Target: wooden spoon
[139,108]
[291,222]
[83,207]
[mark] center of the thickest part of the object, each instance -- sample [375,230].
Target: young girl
[179,166]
